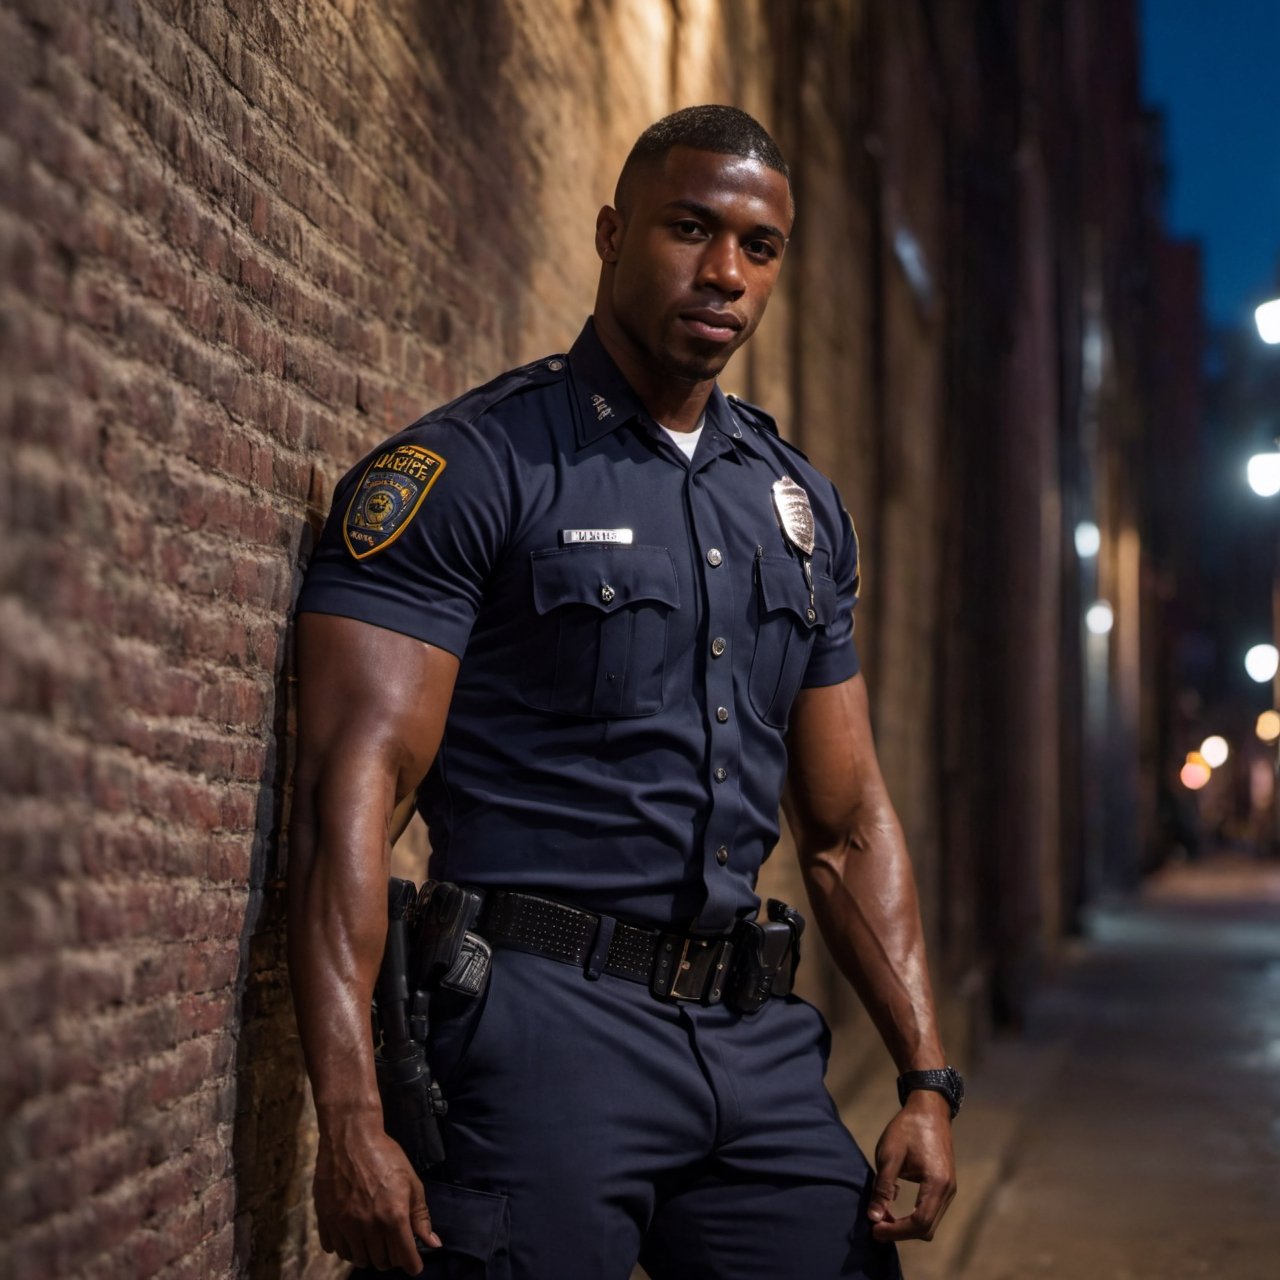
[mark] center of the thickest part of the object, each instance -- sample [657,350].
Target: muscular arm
[862,890]
[371,711]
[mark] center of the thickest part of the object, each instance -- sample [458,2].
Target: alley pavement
[1133,1131]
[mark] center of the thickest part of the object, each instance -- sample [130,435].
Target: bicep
[370,701]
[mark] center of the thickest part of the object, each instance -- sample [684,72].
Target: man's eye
[762,249]
[687,227]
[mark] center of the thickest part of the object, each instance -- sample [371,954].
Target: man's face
[691,258]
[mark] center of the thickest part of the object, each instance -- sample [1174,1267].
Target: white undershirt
[686,441]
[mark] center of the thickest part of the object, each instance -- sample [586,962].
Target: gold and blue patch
[388,497]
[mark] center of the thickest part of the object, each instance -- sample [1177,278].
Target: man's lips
[716,326]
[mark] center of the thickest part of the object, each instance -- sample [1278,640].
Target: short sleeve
[413,534]
[835,656]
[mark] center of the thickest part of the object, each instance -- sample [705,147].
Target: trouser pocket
[475,1228]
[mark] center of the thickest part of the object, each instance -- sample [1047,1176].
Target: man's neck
[677,403]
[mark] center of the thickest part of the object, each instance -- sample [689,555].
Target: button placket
[718,661]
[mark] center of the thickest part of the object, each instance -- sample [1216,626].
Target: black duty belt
[674,966]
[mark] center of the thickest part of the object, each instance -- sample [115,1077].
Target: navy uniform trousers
[593,1125]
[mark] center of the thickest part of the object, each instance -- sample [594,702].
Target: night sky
[1214,67]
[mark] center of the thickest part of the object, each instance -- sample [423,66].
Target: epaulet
[526,377]
[754,416]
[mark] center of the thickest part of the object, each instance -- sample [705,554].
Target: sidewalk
[1134,1132]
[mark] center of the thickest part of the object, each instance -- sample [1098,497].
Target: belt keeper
[600,948]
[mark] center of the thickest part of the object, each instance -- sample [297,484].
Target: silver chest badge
[795,515]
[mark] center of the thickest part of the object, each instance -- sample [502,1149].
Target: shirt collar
[603,400]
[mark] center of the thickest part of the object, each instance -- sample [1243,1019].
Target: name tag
[622,536]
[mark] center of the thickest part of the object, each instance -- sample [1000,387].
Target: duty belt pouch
[760,963]
[446,953]
[789,916]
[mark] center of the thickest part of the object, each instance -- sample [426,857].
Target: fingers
[885,1190]
[420,1220]
[921,1224]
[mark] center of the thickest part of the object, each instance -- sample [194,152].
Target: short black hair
[728,131]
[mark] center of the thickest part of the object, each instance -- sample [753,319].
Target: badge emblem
[388,497]
[795,515]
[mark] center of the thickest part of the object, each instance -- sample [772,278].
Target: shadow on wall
[272,1145]
[269,1078]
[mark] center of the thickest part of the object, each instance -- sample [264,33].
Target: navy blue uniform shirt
[632,625]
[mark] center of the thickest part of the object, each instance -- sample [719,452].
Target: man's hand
[915,1146]
[369,1201]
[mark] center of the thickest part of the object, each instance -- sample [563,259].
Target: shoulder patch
[388,497]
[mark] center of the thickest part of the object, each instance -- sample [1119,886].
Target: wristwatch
[946,1081]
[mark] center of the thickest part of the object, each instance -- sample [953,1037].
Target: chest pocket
[602,612]
[787,625]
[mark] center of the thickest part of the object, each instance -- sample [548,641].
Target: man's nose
[721,267]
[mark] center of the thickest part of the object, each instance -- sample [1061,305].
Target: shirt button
[555,365]
[809,613]
[714,557]
[722,855]
[721,774]
[722,714]
[606,593]
[718,646]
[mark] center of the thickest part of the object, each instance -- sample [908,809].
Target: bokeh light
[1268,320]
[1264,474]
[1215,751]
[1088,539]
[1261,662]
[1195,773]
[1100,618]
[1268,726]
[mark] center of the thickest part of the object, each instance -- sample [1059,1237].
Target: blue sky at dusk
[1214,68]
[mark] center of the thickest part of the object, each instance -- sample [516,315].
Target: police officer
[595,614]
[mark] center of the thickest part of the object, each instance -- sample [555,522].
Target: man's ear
[609,228]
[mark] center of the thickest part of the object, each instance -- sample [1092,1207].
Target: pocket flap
[783,588]
[605,577]
[472,1223]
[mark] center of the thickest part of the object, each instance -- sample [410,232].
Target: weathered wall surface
[240,242]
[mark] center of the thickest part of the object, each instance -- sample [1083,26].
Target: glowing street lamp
[1267,318]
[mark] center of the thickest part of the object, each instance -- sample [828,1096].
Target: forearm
[339,855]
[864,901]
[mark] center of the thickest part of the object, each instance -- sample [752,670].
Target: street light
[1267,318]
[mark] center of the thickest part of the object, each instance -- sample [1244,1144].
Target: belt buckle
[696,971]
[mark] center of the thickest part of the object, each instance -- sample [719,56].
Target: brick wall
[240,242]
